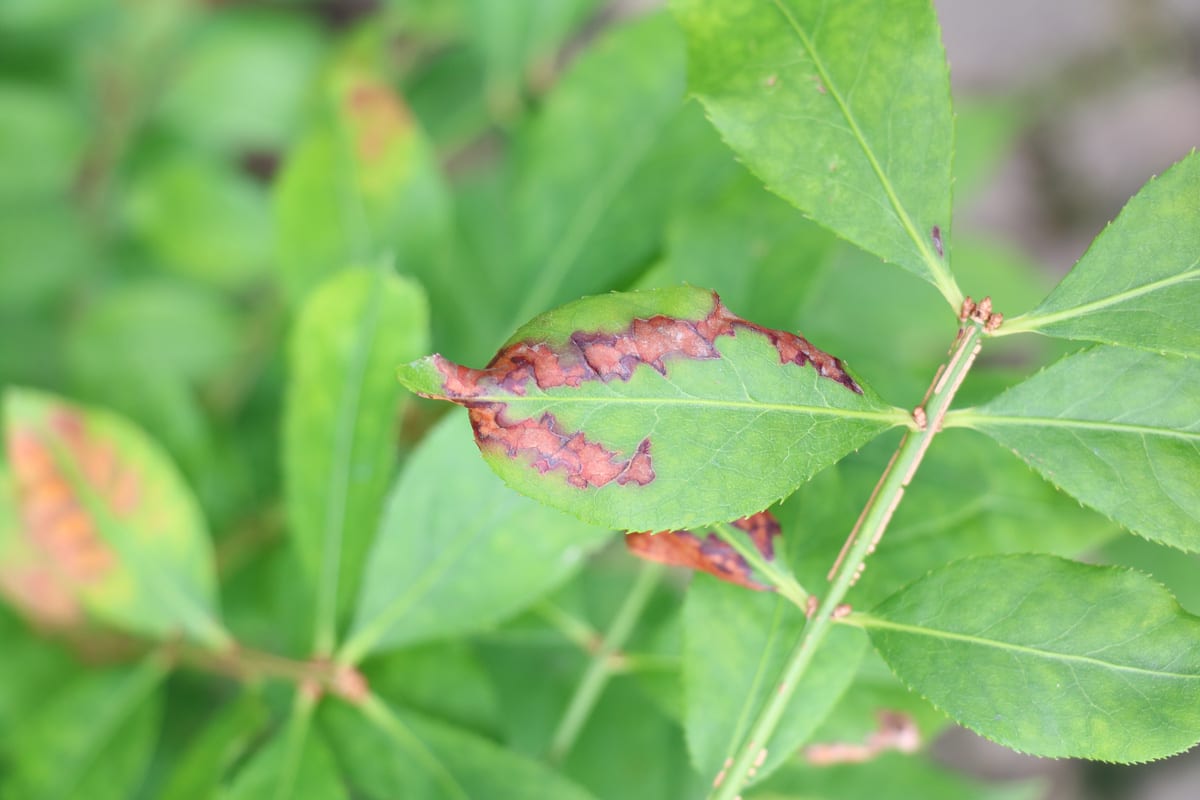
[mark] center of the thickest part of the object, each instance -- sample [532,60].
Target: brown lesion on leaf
[602,356]
[585,463]
[57,527]
[895,731]
[378,115]
[710,554]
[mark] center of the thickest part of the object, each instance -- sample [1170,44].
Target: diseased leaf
[28,579]
[340,424]
[275,771]
[409,755]
[812,95]
[364,186]
[1118,429]
[735,645]
[1049,656]
[91,738]
[457,551]
[657,410]
[105,510]
[1138,285]
[710,554]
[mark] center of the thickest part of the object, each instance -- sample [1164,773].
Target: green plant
[404,624]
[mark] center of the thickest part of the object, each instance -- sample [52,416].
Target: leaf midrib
[968,418]
[338,478]
[892,416]
[1034,321]
[868,621]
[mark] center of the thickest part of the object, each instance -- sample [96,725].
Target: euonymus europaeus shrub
[872,557]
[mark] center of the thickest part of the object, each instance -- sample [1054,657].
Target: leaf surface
[1049,656]
[340,423]
[1138,285]
[272,772]
[1119,429]
[813,96]
[657,410]
[735,646]
[457,551]
[223,739]
[92,737]
[104,508]
[409,755]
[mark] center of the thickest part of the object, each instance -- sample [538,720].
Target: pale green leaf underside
[1119,429]
[1049,656]
[1139,283]
[843,108]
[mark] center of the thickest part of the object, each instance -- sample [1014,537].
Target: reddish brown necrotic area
[603,356]
[710,554]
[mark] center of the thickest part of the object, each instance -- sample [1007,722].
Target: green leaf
[1049,656]
[749,246]
[1138,285]
[657,410]
[43,140]
[445,680]
[894,776]
[406,755]
[340,424]
[812,95]
[242,79]
[276,772]
[202,218]
[735,646]
[108,513]
[587,217]
[1116,428]
[91,738]
[165,327]
[457,551]
[224,739]
[518,39]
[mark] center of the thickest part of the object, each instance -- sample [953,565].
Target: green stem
[783,582]
[872,523]
[602,665]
